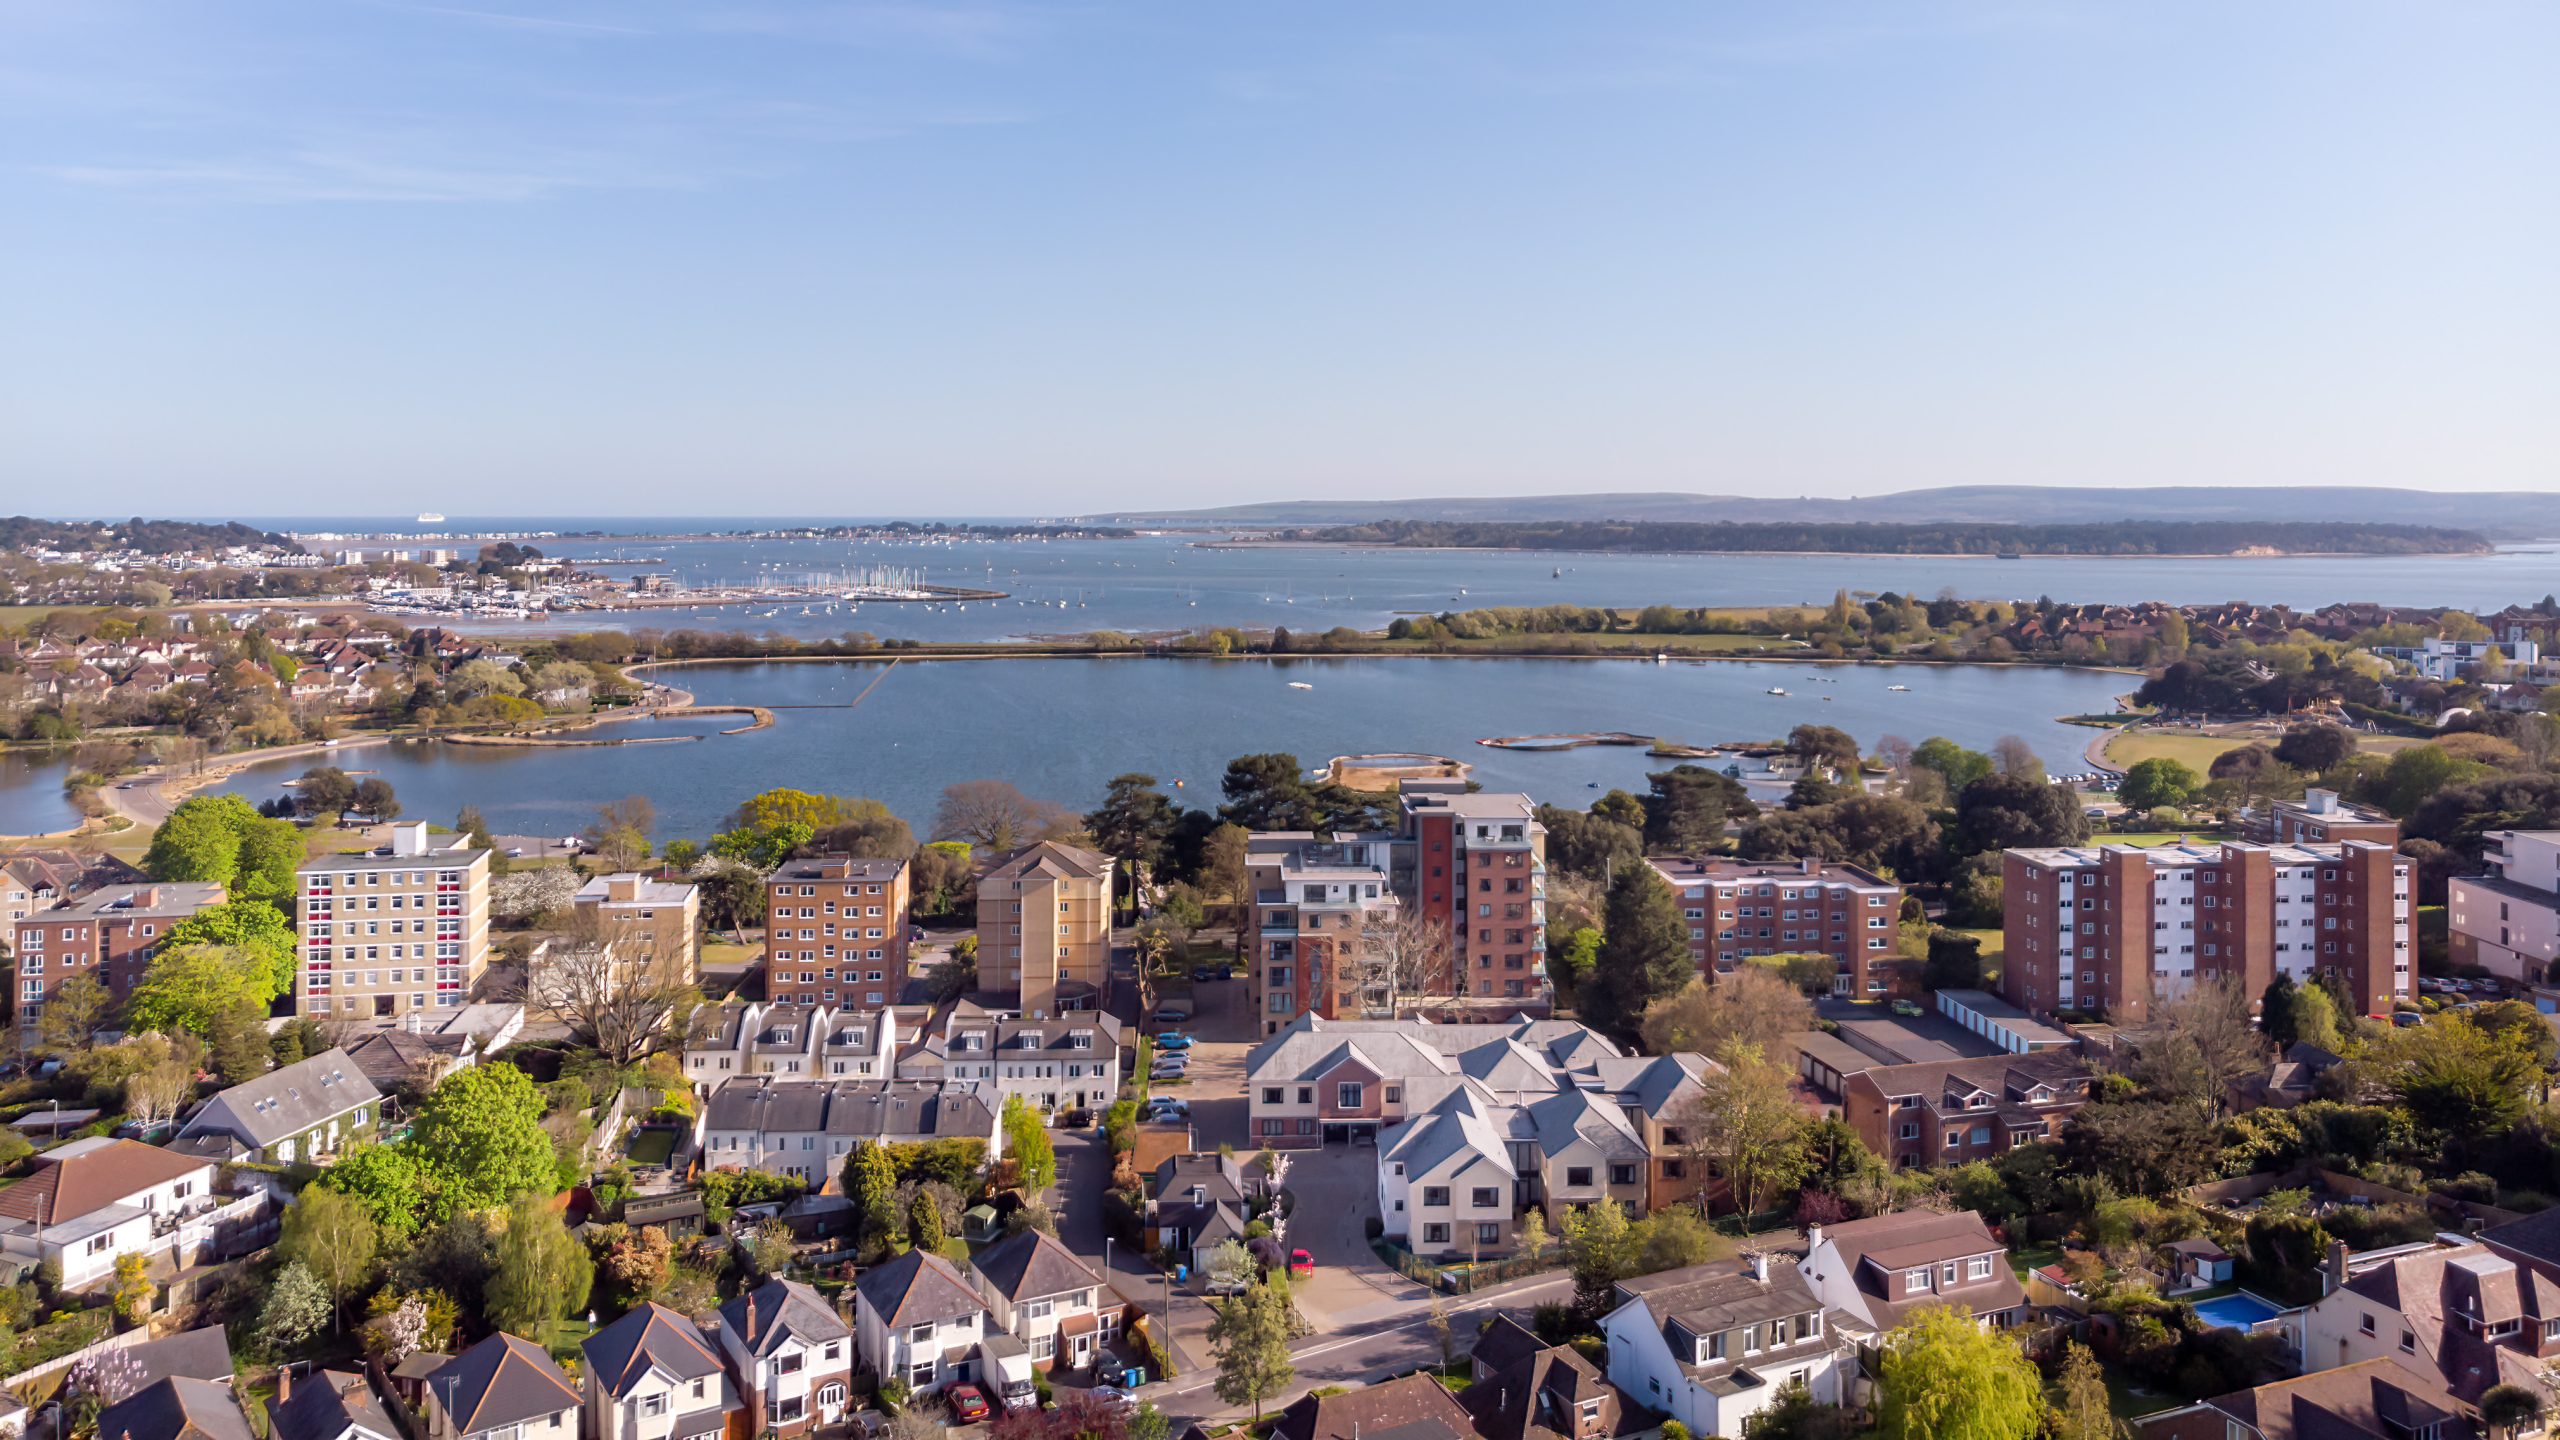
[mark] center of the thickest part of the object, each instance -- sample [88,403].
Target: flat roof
[2007,1016]
[1895,1044]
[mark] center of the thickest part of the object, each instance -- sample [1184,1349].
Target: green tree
[1945,1377]
[1644,952]
[1026,1143]
[479,1140]
[1620,807]
[134,1292]
[1135,824]
[2156,782]
[1674,1238]
[873,1185]
[1686,808]
[1601,1248]
[2081,1411]
[255,930]
[388,1181]
[210,838]
[543,1272]
[925,1218]
[237,1042]
[1953,764]
[187,989]
[79,1006]
[1743,1123]
[2509,1409]
[2456,1077]
[297,1305]
[1250,1338]
[334,1237]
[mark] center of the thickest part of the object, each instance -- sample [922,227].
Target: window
[1483,1197]
[1915,1281]
[1435,1194]
[1978,1268]
[653,1405]
[1271,1095]
[1435,1234]
[2368,1325]
[1578,1177]
[1347,1094]
[1488,1234]
[2408,1342]
[1622,1174]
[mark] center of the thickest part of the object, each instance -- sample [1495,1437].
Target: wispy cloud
[507,21]
[977,32]
[351,173]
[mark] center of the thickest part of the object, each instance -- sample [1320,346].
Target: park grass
[2128,748]
[30,614]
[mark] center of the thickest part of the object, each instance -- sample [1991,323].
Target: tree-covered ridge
[151,537]
[2127,537]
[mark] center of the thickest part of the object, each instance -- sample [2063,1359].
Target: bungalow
[1876,1271]
[503,1388]
[1712,1345]
[303,1113]
[792,1353]
[917,1320]
[1037,1291]
[92,1200]
[651,1376]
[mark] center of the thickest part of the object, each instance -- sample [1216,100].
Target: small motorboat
[1897,687]
[1300,685]
[1777,690]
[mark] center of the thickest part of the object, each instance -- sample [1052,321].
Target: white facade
[921,1354]
[796,1380]
[2508,920]
[1642,1365]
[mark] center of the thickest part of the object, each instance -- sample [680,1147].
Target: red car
[1301,1264]
[968,1402]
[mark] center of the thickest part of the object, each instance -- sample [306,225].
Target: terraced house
[793,1042]
[1064,1062]
[807,1127]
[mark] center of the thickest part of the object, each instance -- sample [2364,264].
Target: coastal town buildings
[1740,908]
[657,918]
[807,1127]
[2506,920]
[1044,928]
[108,934]
[836,931]
[1469,866]
[2116,929]
[392,932]
[1066,1062]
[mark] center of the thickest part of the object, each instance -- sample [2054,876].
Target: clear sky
[760,256]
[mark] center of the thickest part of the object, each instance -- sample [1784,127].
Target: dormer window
[1915,1281]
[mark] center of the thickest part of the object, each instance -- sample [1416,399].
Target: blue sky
[755,256]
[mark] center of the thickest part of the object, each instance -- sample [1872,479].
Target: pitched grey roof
[1028,1264]
[203,1353]
[178,1408]
[284,1103]
[503,1380]
[328,1405]
[914,1288]
[780,1310]
[651,1337]
[872,1109]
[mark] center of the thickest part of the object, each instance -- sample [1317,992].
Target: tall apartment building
[1479,861]
[2508,920]
[835,927]
[2318,818]
[1312,900]
[1476,863]
[108,933]
[1044,927]
[660,917]
[395,931]
[1740,908]
[2118,928]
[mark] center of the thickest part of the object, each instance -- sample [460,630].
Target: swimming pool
[2236,1312]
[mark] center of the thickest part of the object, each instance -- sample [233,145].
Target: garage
[1351,1132]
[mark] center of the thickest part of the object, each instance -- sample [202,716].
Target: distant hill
[151,537]
[2509,515]
[2112,537]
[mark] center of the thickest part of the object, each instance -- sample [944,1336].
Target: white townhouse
[1067,1062]
[651,1376]
[919,1321]
[794,1042]
[808,1127]
[792,1354]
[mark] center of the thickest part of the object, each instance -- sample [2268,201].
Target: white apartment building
[392,932]
[2508,920]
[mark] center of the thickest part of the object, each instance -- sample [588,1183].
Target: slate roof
[2432,1288]
[328,1405]
[1416,1407]
[285,1102]
[503,1380]
[1504,1341]
[178,1408]
[1219,1177]
[869,1109]
[1028,1264]
[1540,1397]
[1050,857]
[1466,1123]
[780,1310]
[203,1353]
[82,1178]
[2377,1399]
[623,1353]
[1878,1247]
[914,1288]
[396,1057]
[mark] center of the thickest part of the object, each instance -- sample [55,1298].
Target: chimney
[751,1317]
[1812,1240]
[1760,1266]
[2336,1269]
[1812,865]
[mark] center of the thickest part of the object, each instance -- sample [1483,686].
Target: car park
[968,1402]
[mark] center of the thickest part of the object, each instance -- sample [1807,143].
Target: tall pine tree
[1644,952]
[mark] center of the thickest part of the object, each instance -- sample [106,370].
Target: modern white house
[2507,920]
[1876,1271]
[919,1321]
[651,1376]
[1446,1182]
[92,1200]
[808,1127]
[1712,1345]
[793,1355]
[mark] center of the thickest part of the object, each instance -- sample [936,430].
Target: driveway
[1333,1195]
[1221,1025]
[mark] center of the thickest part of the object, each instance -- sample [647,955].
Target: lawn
[2128,748]
[652,1147]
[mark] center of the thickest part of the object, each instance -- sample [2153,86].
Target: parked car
[1301,1264]
[968,1402]
[1173,1040]
[867,1425]
[1173,1013]
[1166,1107]
[1210,972]
[2405,1019]
[1905,1007]
[1078,1118]
[1170,1070]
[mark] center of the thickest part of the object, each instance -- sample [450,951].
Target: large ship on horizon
[430,518]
